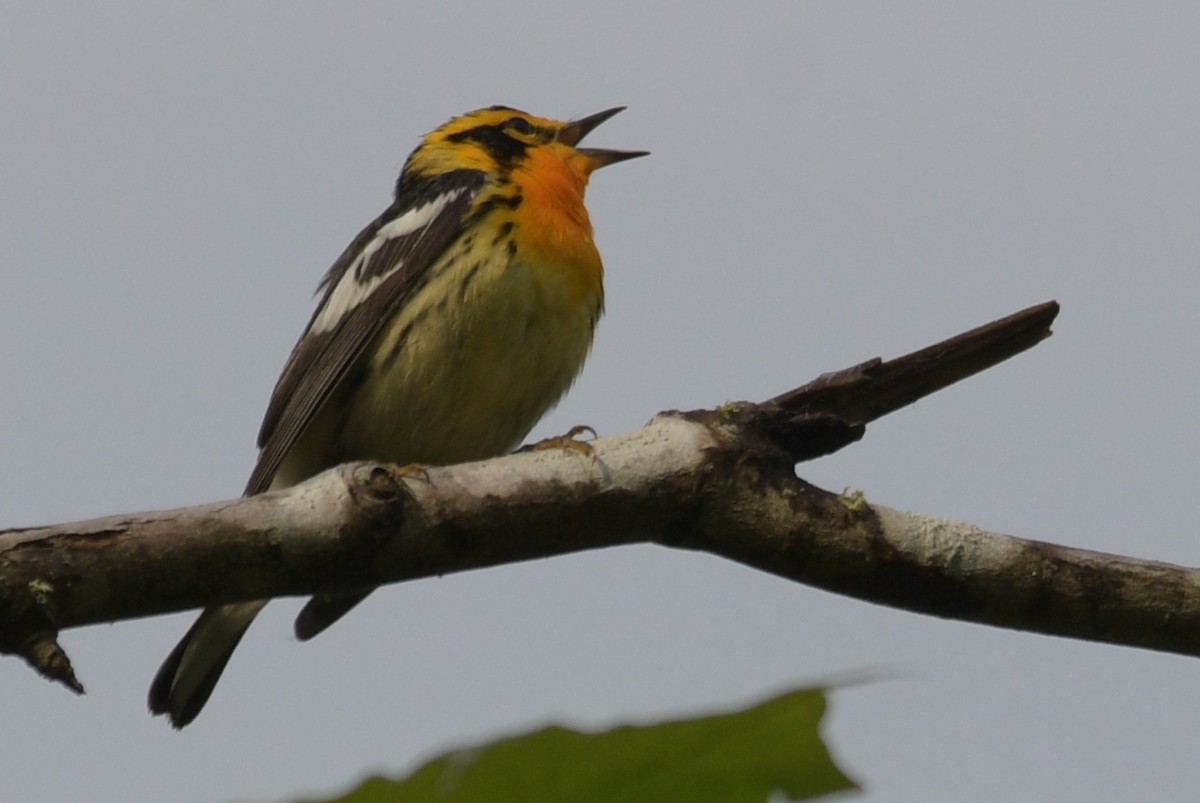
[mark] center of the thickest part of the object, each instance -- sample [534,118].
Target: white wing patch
[351,289]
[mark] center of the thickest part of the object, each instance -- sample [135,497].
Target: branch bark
[722,481]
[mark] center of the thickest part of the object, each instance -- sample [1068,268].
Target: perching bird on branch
[446,329]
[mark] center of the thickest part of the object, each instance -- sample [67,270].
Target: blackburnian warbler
[445,330]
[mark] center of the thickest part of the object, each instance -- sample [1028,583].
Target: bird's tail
[186,679]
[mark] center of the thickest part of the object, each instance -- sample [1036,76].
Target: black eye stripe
[494,139]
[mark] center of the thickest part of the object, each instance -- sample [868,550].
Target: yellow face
[492,140]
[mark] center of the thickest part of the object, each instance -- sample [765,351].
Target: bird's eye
[519,126]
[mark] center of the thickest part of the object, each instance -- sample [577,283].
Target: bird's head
[498,140]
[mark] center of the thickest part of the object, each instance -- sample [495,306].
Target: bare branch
[870,390]
[722,481]
[42,652]
[953,569]
[358,525]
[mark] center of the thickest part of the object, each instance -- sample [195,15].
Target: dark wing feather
[328,349]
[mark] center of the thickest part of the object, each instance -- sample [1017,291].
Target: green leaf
[769,751]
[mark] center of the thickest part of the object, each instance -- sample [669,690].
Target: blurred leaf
[769,751]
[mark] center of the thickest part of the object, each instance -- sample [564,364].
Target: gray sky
[829,182]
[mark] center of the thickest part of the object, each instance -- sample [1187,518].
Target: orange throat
[553,224]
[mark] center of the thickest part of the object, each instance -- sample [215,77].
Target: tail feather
[186,679]
[322,610]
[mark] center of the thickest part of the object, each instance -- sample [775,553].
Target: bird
[443,333]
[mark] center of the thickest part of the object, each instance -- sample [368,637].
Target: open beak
[572,133]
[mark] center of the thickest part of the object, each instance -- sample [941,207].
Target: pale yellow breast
[464,371]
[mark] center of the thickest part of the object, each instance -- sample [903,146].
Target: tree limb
[721,481]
